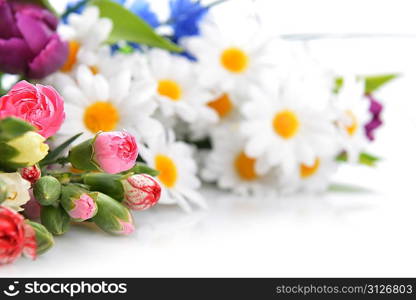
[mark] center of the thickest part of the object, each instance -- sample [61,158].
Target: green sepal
[11,128]
[44,239]
[110,213]
[109,184]
[7,153]
[55,219]
[47,190]
[81,156]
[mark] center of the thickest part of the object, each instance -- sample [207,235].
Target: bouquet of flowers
[160,106]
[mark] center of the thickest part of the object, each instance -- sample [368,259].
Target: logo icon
[12,291]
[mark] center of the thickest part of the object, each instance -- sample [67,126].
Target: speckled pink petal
[52,57]
[14,55]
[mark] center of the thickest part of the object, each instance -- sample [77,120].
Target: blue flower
[142,9]
[185,16]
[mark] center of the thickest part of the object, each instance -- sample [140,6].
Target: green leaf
[372,83]
[54,154]
[364,159]
[129,27]
[346,188]
[339,82]
[141,168]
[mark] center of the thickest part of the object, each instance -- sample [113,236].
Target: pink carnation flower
[115,151]
[38,105]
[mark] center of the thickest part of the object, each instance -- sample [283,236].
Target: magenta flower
[376,108]
[29,43]
[38,105]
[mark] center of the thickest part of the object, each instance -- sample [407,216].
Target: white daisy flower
[224,108]
[288,127]
[177,171]
[86,32]
[234,59]
[230,166]
[177,93]
[352,111]
[94,103]
[309,178]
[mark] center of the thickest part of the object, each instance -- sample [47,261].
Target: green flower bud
[109,184]
[55,219]
[112,216]
[78,202]
[44,239]
[47,190]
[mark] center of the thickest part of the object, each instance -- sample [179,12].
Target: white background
[366,233]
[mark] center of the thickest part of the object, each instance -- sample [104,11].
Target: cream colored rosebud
[31,147]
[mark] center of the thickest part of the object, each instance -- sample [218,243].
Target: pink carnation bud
[141,192]
[31,174]
[38,105]
[84,209]
[127,227]
[115,151]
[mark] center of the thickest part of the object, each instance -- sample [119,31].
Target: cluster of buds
[104,196]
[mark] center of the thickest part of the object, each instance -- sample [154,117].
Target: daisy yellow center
[168,173]
[307,171]
[286,124]
[101,116]
[222,105]
[352,128]
[234,60]
[245,167]
[72,56]
[170,89]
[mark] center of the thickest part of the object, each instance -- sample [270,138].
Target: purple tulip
[29,43]
[376,109]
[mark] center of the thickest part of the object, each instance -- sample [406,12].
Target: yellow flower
[31,148]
